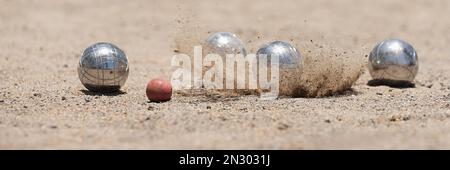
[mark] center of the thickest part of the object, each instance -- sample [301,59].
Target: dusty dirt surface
[43,105]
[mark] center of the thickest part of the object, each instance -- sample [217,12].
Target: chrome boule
[290,64]
[393,60]
[103,67]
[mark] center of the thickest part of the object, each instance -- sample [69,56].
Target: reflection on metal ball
[103,67]
[223,43]
[393,60]
[288,56]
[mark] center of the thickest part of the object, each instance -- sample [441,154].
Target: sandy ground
[43,105]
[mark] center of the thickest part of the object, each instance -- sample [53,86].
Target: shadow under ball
[103,67]
[393,60]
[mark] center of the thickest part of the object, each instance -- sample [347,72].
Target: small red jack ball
[159,90]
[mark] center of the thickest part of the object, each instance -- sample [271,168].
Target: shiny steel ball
[288,56]
[290,64]
[393,60]
[103,67]
[223,43]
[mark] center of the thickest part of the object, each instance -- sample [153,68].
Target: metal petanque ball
[223,43]
[393,60]
[103,67]
[290,64]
